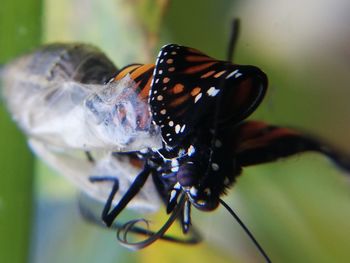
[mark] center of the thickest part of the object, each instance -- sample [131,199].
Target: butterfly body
[199,104]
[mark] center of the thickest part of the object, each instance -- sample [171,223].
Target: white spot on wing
[183,128]
[232,73]
[177,128]
[213,91]
[197,98]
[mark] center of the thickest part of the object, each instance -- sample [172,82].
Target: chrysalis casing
[61,97]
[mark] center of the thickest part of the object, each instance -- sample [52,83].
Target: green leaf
[20,28]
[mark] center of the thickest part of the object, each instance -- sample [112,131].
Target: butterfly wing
[257,142]
[190,88]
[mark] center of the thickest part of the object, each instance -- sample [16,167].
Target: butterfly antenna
[233,38]
[230,210]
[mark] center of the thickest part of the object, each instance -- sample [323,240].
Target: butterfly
[176,128]
[200,105]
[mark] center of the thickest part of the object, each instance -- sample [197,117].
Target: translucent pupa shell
[60,97]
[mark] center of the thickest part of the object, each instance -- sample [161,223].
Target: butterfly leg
[113,192]
[108,215]
[193,238]
[89,157]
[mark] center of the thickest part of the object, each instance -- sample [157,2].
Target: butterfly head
[203,193]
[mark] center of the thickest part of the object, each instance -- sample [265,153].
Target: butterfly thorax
[201,166]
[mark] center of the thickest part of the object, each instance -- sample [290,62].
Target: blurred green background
[298,209]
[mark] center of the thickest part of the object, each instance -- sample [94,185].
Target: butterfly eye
[187,86]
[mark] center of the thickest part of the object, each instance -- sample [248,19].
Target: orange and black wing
[142,74]
[189,88]
[257,142]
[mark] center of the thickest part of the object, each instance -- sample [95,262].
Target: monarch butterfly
[175,128]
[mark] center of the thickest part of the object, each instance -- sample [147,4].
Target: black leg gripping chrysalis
[108,215]
[124,229]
